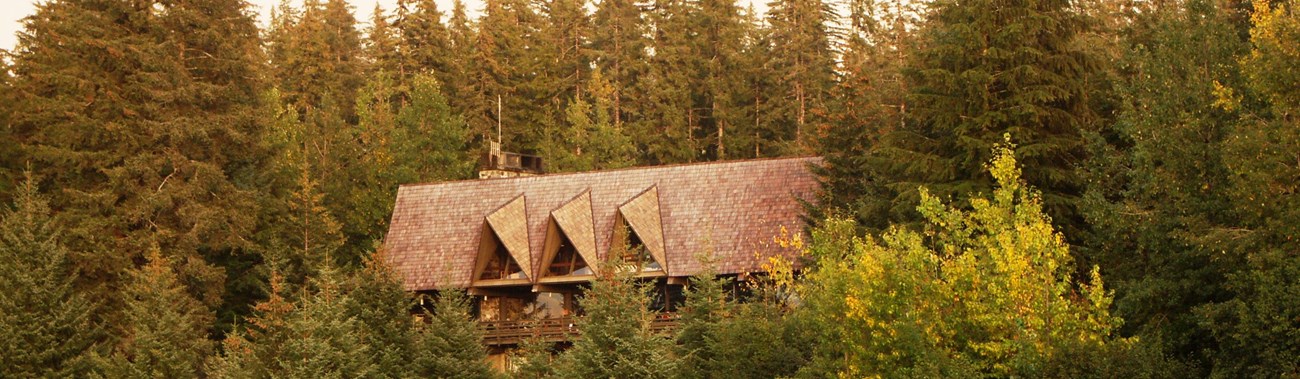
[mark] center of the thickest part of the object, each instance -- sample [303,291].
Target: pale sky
[13,11]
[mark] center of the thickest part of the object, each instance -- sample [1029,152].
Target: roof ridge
[633,168]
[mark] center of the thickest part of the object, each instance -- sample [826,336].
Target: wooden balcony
[502,333]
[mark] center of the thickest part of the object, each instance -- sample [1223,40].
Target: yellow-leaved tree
[978,292]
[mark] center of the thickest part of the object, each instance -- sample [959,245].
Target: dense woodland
[1012,188]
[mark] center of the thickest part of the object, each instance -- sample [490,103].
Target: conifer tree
[423,40]
[166,329]
[157,147]
[804,63]
[46,327]
[505,73]
[752,135]
[381,44]
[382,308]
[450,344]
[565,54]
[590,141]
[538,362]
[1021,74]
[870,101]
[705,309]
[461,88]
[313,338]
[619,43]
[615,339]
[671,119]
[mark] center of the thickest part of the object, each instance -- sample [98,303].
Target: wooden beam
[557,288]
[678,280]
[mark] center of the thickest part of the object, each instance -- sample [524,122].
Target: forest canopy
[189,194]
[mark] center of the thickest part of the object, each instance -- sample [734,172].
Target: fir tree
[450,344]
[615,340]
[166,329]
[990,68]
[381,308]
[803,62]
[381,44]
[45,323]
[157,147]
[870,101]
[619,44]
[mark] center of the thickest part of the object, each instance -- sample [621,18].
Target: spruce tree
[450,343]
[538,361]
[870,101]
[589,140]
[705,309]
[506,68]
[670,118]
[564,43]
[614,337]
[166,328]
[423,42]
[46,327]
[381,44]
[990,68]
[460,88]
[619,43]
[804,63]
[382,309]
[142,117]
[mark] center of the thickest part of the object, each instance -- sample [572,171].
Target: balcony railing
[498,333]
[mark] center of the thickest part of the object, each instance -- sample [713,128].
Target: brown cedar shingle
[574,218]
[733,208]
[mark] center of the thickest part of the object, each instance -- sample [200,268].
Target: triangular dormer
[503,256]
[570,241]
[638,227]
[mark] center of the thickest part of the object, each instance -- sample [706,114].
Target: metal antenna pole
[498,118]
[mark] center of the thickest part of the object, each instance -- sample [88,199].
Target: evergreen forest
[1010,188]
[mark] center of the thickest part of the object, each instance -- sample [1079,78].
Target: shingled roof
[734,209]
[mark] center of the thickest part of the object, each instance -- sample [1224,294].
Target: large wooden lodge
[524,245]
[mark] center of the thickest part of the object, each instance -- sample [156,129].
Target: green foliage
[450,344]
[382,309]
[706,307]
[759,340]
[980,74]
[615,340]
[45,323]
[591,141]
[315,338]
[536,361]
[166,329]
[804,62]
[981,292]
[871,101]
